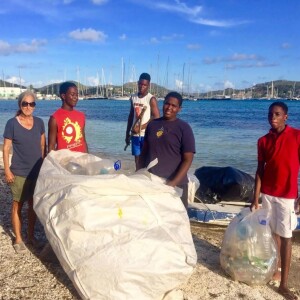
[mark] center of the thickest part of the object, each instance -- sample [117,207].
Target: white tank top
[138,104]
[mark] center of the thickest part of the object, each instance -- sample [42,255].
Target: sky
[196,46]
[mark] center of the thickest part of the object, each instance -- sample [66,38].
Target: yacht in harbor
[119,97]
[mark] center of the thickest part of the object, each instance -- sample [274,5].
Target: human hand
[170,183]
[9,177]
[254,205]
[136,129]
[297,206]
[127,140]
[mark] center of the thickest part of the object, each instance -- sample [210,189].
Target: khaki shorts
[22,189]
[283,219]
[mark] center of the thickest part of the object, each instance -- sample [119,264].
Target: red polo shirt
[281,154]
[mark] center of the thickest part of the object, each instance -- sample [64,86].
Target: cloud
[214,33]
[240,61]
[88,34]
[193,46]
[123,37]
[228,85]
[178,84]
[15,80]
[250,66]
[180,7]
[99,2]
[211,60]
[233,58]
[93,81]
[241,56]
[286,45]
[31,47]
[217,23]
[203,87]
[154,40]
[192,13]
[165,38]
[173,36]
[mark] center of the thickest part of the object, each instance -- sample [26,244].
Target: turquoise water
[226,132]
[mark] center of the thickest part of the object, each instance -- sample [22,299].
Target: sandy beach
[38,275]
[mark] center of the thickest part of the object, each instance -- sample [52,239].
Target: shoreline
[35,275]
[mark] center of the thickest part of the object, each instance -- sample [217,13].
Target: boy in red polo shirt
[66,126]
[276,181]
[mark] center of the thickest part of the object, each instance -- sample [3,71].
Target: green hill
[281,89]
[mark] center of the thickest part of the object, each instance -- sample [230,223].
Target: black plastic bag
[224,184]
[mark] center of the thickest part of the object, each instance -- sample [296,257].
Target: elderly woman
[26,135]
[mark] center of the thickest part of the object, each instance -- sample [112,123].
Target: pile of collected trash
[249,252]
[116,236]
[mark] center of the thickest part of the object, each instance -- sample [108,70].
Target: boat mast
[122,67]
[20,79]
[78,78]
[182,84]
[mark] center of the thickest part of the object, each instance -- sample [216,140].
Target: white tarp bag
[193,186]
[116,236]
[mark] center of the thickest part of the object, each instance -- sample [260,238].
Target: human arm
[86,145]
[9,176]
[52,134]
[43,145]
[154,108]
[142,159]
[154,114]
[129,124]
[257,185]
[297,206]
[183,168]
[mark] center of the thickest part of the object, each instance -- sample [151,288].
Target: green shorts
[22,189]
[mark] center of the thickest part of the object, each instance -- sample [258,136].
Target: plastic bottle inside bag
[75,168]
[104,166]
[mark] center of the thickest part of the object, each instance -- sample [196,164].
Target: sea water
[226,131]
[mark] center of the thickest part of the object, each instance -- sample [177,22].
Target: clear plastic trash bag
[249,252]
[104,166]
[88,164]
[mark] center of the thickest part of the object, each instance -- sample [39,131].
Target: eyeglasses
[25,104]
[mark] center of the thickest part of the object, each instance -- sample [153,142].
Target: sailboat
[98,96]
[122,96]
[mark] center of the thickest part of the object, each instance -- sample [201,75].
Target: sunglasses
[25,104]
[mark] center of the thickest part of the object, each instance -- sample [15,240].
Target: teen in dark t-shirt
[171,141]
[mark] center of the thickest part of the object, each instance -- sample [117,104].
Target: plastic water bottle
[244,231]
[75,168]
[107,166]
[104,166]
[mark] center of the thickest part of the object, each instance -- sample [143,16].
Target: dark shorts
[22,189]
[137,143]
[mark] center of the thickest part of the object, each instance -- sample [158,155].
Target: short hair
[65,86]
[145,76]
[174,95]
[21,97]
[280,104]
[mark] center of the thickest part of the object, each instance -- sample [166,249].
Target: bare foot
[287,294]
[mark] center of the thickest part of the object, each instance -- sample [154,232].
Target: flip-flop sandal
[20,247]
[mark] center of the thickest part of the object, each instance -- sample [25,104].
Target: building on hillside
[10,92]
